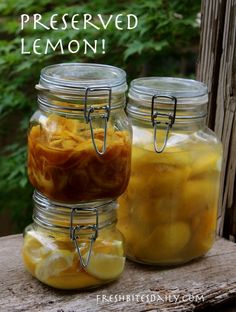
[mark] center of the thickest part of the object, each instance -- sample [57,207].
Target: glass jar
[73,248]
[168,213]
[79,141]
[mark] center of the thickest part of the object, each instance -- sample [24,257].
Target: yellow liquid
[168,212]
[54,261]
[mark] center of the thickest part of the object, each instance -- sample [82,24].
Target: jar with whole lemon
[71,253]
[169,210]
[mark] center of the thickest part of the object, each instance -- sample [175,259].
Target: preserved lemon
[63,165]
[170,240]
[168,212]
[105,266]
[55,262]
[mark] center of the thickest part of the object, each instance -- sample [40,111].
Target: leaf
[135,47]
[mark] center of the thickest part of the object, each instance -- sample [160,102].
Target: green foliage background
[164,44]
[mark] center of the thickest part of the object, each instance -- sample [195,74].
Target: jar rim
[73,77]
[52,214]
[168,86]
[183,99]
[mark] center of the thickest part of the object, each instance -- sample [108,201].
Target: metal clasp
[75,233]
[169,123]
[88,116]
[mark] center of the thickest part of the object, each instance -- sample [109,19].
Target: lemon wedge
[105,266]
[35,246]
[55,263]
[112,247]
[74,280]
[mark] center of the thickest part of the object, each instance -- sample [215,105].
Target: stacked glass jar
[79,153]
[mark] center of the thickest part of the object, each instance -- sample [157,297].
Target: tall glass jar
[73,248]
[168,213]
[79,140]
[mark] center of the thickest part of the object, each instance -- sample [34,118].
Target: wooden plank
[217,68]
[213,277]
[225,124]
[212,25]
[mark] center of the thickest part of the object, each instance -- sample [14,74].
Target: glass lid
[177,87]
[72,77]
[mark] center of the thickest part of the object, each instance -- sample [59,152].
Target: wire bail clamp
[156,122]
[75,231]
[88,116]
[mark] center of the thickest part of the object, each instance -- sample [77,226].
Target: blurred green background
[165,43]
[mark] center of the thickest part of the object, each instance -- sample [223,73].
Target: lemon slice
[32,246]
[104,266]
[35,246]
[55,263]
[112,247]
[73,280]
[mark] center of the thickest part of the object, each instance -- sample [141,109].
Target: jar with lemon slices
[169,210]
[82,250]
[79,159]
[79,139]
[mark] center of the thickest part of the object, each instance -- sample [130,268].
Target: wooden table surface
[208,284]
